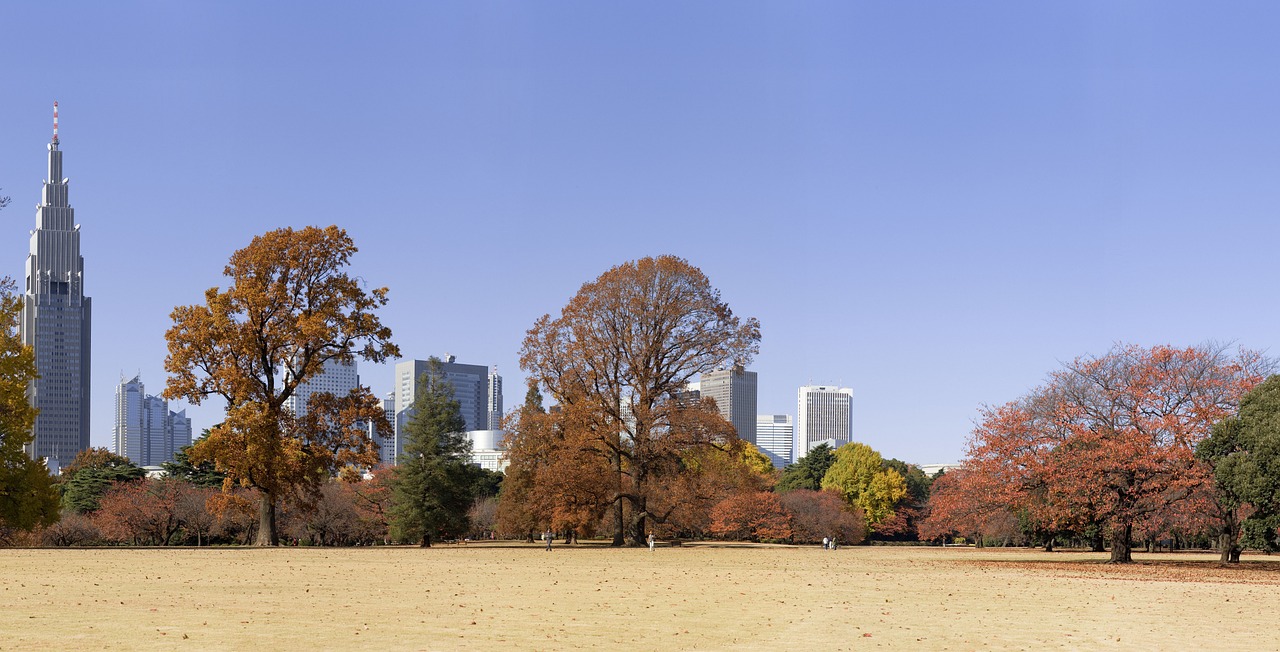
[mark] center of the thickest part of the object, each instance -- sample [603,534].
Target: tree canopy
[290,308]
[808,471]
[860,475]
[1108,442]
[1245,453]
[615,360]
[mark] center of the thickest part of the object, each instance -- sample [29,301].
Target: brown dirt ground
[518,596]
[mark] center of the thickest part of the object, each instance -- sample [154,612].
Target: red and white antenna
[55,122]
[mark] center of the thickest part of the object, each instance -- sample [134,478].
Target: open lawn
[693,597]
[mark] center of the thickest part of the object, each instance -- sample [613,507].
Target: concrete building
[56,322]
[336,377]
[145,431]
[824,414]
[494,391]
[734,391]
[477,391]
[775,436]
[487,450]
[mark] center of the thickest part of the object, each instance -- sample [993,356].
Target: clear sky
[932,203]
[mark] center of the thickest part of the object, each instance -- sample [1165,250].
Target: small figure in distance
[546,536]
[824,543]
[833,543]
[650,542]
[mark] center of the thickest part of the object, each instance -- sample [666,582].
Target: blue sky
[932,203]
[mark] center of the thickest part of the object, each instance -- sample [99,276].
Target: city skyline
[957,198]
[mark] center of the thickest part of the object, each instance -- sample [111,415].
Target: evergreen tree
[203,474]
[808,471]
[434,485]
[91,474]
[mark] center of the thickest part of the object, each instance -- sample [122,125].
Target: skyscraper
[336,377]
[824,414]
[56,322]
[495,399]
[477,391]
[734,391]
[145,430]
[775,435]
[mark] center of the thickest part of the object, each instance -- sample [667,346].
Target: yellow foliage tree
[289,309]
[860,476]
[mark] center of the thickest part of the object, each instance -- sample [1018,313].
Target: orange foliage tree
[1110,440]
[615,360]
[290,308]
[751,516]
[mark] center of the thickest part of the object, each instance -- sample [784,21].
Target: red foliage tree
[1110,440]
[823,514]
[751,516]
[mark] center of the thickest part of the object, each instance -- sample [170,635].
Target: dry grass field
[692,597]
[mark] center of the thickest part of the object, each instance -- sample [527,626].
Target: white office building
[775,437]
[824,414]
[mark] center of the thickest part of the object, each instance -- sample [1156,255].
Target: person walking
[824,543]
[650,542]
[546,536]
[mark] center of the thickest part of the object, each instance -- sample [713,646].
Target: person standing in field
[650,542]
[824,543]
[546,536]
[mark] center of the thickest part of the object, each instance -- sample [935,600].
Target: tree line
[1139,445]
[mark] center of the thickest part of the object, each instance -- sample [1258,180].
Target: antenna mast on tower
[55,122]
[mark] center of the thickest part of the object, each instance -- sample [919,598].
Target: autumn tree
[433,485]
[816,515]
[27,495]
[141,513]
[860,475]
[290,308]
[1244,451]
[614,360]
[1109,440]
[752,516]
[808,471]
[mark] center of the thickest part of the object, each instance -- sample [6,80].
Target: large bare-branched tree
[290,308]
[616,360]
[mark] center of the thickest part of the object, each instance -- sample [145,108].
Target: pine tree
[433,484]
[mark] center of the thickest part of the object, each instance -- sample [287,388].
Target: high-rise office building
[824,414]
[386,445]
[56,322]
[775,435]
[734,391]
[145,430]
[495,399]
[336,377]
[477,391]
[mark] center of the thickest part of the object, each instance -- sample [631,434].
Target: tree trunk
[1048,543]
[1122,546]
[426,540]
[267,521]
[620,526]
[1229,549]
[638,524]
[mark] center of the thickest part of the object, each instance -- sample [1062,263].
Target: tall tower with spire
[56,321]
